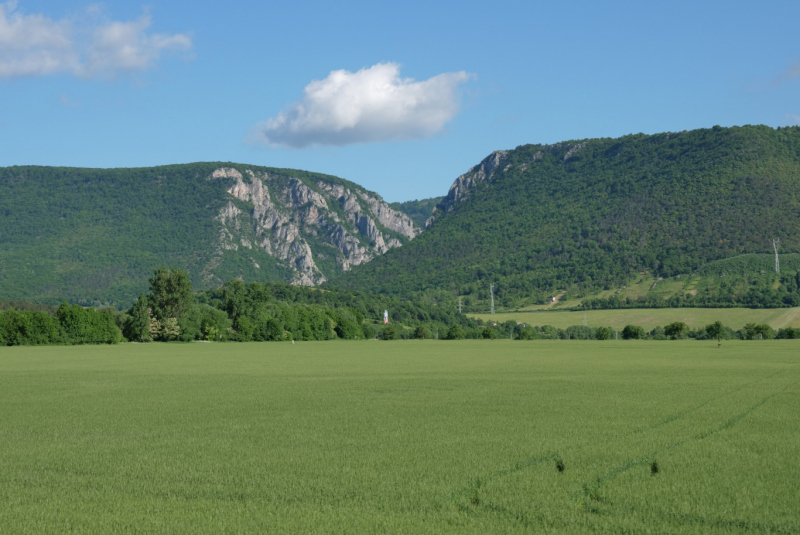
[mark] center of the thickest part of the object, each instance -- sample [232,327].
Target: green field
[401,437]
[649,318]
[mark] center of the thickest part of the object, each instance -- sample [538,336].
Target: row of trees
[71,324]
[673,331]
[171,311]
[277,311]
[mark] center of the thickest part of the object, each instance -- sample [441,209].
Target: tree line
[172,311]
[70,324]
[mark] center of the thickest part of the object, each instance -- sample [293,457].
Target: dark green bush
[455,332]
[633,332]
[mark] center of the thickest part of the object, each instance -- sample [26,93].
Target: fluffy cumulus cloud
[34,45]
[373,104]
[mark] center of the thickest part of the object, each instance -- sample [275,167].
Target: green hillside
[592,215]
[93,236]
[419,210]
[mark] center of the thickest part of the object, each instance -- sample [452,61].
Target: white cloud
[373,104]
[34,45]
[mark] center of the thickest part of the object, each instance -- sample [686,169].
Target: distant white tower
[777,264]
[491,290]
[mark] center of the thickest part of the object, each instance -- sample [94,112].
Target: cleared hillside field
[401,437]
[649,318]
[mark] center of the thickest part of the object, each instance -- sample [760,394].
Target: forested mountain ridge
[93,236]
[590,214]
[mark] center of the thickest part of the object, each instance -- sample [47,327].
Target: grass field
[401,437]
[649,318]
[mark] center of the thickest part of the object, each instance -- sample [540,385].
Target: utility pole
[491,290]
[459,305]
[775,246]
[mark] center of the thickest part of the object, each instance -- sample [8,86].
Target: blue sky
[424,91]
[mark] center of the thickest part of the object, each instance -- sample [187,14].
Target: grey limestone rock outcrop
[301,222]
[462,186]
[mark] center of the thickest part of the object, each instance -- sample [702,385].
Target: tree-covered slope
[419,210]
[590,214]
[93,236]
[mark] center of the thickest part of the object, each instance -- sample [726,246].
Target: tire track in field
[589,493]
[469,493]
[590,490]
[789,318]
[682,414]
[722,523]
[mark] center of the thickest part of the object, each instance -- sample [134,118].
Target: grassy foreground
[401,437]
[650,318]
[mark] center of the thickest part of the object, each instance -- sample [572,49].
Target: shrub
[28,328]
[215,324]
[633,332]
[489,334]
[788,333]
[752,331]
[604,333]
[370,331]
[658,333]
[347,327]
[676,330]
[244,329]
[389,333]
[455,332]
[87,326]
[580,332]
[715,330]
[137,326]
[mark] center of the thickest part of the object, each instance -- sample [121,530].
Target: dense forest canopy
[583,217]
[590,214]
[92,236]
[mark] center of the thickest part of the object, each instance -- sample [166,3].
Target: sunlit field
[649,318]
[401,437]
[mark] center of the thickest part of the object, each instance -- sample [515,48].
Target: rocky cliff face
[312,227]
[489,169]
[462,186]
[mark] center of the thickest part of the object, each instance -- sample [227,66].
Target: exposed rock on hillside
[94,236]
[285,216]
[593,214]
[490,168]
[460,189]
